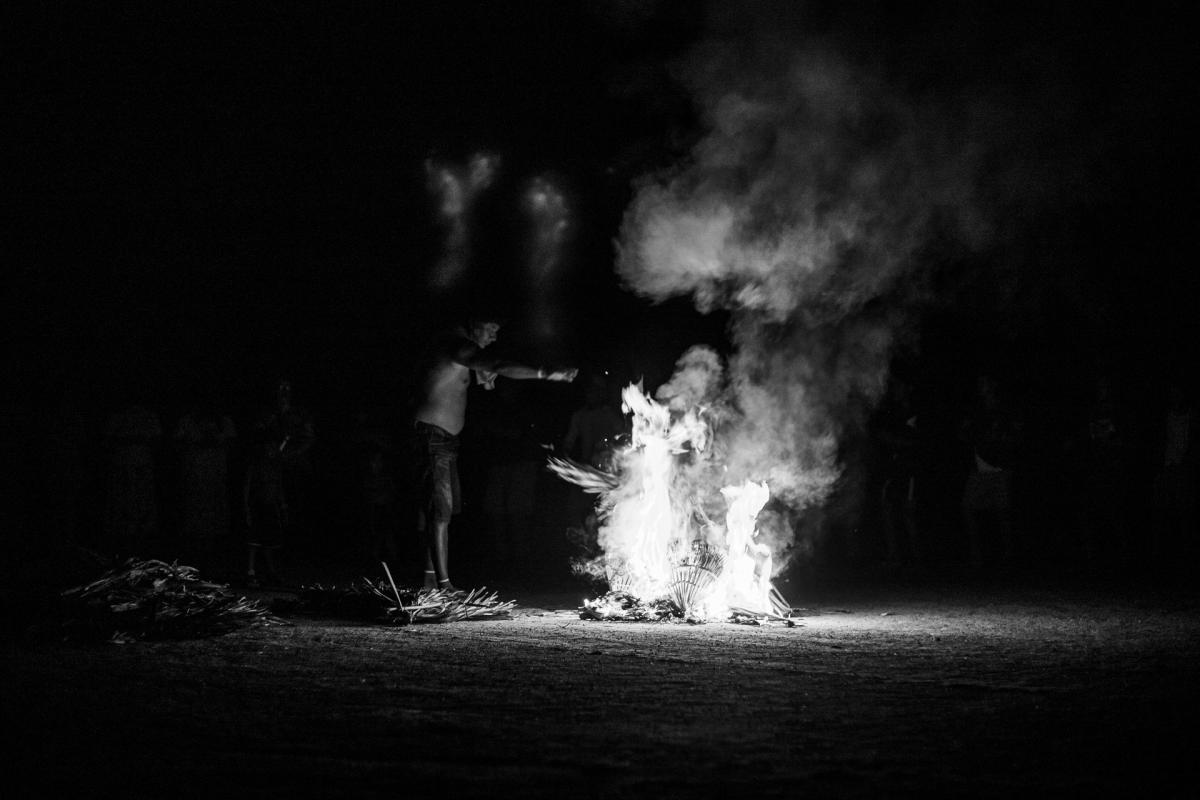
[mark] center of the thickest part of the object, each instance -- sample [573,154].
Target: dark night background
[202,197]
[210,195]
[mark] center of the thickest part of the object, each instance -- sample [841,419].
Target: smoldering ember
[623,398]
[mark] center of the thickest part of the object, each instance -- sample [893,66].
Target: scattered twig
[399,602]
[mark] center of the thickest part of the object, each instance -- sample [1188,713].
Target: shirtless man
[439,419]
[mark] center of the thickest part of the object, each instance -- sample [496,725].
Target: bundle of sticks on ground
[152,599]
[382,601]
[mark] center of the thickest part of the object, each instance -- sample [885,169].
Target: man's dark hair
[481,315]
[465,313]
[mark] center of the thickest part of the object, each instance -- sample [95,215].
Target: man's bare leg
[438,554]
[430,574]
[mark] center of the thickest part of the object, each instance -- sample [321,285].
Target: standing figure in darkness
[203,437]
[131,439]
[1106,450]
[289,428]
[899,444]
[591,438]
[1173,501]
[377,493]
[437,422]
[379,499]
[265,506]
[506,427]
[991,432]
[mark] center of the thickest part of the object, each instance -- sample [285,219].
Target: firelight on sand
[658,537]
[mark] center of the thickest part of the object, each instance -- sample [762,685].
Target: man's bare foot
[449,588]
[431,579]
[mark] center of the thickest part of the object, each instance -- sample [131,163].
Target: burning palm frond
[745,616]
[693,577]
[588,478]
[617,606]
[779,604]
[156,600]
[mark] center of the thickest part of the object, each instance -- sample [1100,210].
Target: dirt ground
[959,690]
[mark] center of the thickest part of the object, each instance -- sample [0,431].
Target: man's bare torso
[444,394]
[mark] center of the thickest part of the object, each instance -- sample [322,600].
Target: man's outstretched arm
[473,358]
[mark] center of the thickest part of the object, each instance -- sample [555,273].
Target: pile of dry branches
[382,601]
[156,600]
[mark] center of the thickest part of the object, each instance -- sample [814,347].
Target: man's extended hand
[485,379]
[564,375]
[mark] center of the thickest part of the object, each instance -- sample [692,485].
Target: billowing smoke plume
[549,218]
[810,209]
[455,189]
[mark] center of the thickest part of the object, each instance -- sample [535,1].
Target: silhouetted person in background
[591,438]
[897,437]
[377,493]
[594,425]
[510,441]
[1174,492]
[437,422]
[203,437]
[132,435]
[1107,472]
[289,428]
[991,433]
[379,496]
[266,511]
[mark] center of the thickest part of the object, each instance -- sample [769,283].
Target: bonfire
[658,550]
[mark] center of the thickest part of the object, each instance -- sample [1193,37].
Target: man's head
[483,331]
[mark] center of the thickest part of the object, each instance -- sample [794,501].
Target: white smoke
[698,382]
[809,210]
[455,189]
[549,217]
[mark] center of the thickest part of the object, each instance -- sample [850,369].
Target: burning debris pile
[815,209]
[381,601]
[155,600]
[660,548]
[623,606]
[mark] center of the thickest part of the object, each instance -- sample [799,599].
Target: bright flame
[658,541]
[746,581]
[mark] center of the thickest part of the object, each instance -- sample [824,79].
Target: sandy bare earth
[959,692]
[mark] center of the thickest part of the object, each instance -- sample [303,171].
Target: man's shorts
[435,461]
